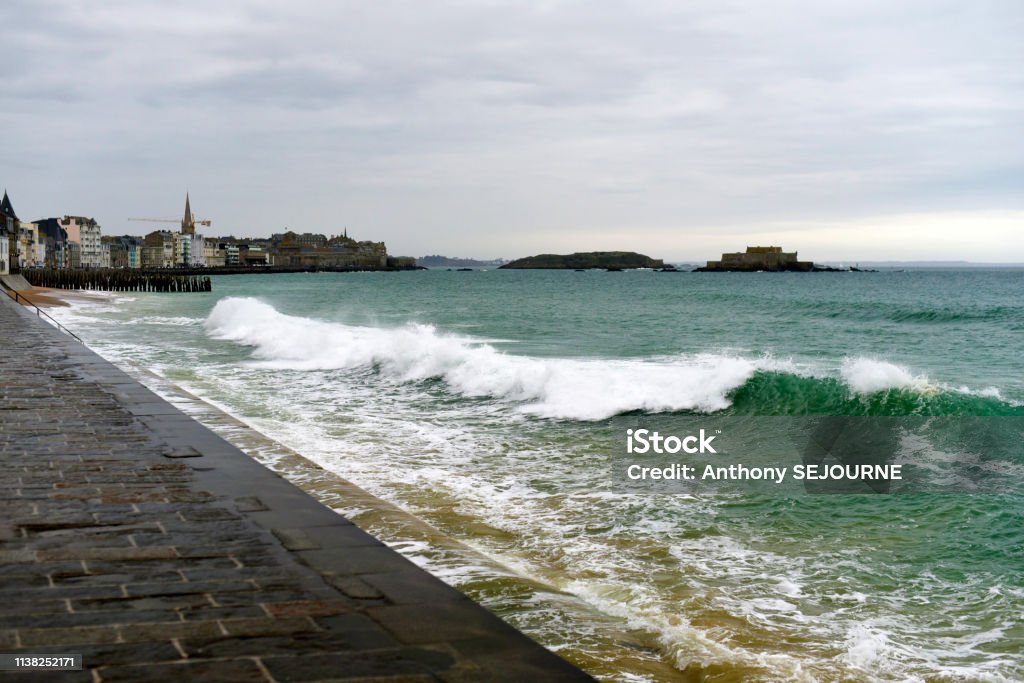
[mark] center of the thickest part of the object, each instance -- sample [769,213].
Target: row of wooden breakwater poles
[115,280]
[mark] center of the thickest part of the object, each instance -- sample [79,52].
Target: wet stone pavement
[134,536]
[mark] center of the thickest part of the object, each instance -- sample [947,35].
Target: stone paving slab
[131,534]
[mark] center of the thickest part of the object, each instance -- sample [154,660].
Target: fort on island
[770,259]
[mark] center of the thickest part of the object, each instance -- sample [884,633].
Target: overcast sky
[854,129]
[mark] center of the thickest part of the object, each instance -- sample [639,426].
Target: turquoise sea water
[484,402]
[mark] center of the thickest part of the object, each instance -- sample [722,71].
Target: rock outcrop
[620,260]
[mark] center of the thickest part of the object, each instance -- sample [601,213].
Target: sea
[476,414]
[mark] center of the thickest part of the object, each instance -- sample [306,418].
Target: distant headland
[438,261]
[615,260]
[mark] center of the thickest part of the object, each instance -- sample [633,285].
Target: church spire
[188,223]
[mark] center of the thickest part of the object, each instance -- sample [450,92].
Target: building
[252,255]
[759,258]
[117,254]
[74,254]
[189,250]
[305,240]
[231,253]
[40,244]
[87,234]
[5,246]
[6,231]
[317,251]
[31,253]
[197,252]
[8,236]
[213,253]
[182,248]
[55,237]
[24,248]
[158,249]
[125,251]
[133,245]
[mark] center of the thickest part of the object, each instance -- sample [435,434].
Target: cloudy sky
[847,129]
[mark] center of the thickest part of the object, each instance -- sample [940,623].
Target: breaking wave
[590,389]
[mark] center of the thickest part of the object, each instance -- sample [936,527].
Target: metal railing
[18,298]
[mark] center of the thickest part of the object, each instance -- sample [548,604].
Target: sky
[845,129]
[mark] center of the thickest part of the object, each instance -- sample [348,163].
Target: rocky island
[615,260]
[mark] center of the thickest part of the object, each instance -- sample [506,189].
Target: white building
[189,250]
[86,233]
[231,254]
[197,251]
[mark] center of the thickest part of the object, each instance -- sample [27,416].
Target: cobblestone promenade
[134,536]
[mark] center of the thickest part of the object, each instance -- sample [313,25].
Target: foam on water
[175,321]
[867,376]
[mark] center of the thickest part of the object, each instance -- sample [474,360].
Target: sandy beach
[47,297]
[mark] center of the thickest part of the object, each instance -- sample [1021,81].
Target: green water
[485,403]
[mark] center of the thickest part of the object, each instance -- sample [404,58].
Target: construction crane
[170,220]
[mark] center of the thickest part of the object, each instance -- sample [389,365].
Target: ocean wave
[920,313]
[888,390]
[174,321]
[581,389]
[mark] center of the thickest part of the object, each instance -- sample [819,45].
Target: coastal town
[77,243]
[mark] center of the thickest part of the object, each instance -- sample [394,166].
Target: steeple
[188,223]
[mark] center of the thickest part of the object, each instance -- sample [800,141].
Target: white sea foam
[865,647]
[870,375]
[176,321]
[584,389]
[867,376]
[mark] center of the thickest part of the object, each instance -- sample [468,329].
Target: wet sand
[46,297]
